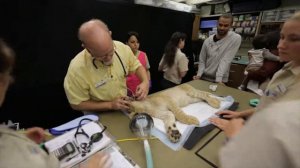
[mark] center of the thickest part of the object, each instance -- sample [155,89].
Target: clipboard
[68,151]
[200,132]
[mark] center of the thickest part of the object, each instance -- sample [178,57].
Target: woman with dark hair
[174,63]
[132,81]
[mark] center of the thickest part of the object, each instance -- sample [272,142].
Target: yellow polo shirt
[284,86]
[86,80]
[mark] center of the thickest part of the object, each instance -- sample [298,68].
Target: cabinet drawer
[236,75]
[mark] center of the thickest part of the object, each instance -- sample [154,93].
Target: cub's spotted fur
[166,105]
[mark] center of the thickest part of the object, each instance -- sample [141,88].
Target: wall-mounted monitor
[208,23]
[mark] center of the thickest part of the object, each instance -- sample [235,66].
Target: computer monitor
[208,23]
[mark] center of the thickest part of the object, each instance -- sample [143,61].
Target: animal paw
[131,114]
[193,120]
[213,102]
[173,134]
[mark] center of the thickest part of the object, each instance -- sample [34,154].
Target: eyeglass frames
[86,147]
[118,56]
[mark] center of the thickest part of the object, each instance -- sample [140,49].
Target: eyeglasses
[84,146]
[118,56]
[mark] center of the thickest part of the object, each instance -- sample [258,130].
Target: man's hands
[36,134]
[228,114]
[196,77]
[142,90]
[121,103]
[221,83]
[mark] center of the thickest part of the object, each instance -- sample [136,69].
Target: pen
[42,145]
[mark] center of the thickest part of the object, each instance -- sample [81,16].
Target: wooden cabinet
[236,75]
[195,34]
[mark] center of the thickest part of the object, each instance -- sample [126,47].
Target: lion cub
[166,105]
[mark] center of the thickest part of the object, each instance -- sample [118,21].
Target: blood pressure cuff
[72,124]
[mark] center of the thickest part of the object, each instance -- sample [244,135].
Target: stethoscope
[119,60]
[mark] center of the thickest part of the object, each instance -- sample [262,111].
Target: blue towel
[72,124]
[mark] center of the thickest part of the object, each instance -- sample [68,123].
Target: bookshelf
[273,20]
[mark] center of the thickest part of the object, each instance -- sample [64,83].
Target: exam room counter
[163,156]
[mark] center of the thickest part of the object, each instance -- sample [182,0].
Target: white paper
[105,143]
[119,160]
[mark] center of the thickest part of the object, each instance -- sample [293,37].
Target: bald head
[96,38]
[90,26]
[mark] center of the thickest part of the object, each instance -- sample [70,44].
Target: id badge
[277,91]
[281,88]
[101,83]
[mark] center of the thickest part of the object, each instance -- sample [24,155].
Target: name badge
[278,90]
[101,83]
[281,88]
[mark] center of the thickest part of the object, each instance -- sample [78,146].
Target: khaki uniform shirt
[180,65]
[17,151]
[284,86]
[270,139]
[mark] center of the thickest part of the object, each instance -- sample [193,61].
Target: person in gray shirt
[218,51]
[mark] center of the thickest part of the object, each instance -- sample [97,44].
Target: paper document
[121,160]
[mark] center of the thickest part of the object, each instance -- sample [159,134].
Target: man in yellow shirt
[96,78]
[22,149]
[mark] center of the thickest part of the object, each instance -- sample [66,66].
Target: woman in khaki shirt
[174,63]
[271,137]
